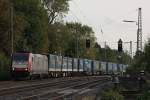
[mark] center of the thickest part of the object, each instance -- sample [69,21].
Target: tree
[145,61]
[35,26]
[79,35]
[56,9]
[5,26]
[59,38]
[141,59]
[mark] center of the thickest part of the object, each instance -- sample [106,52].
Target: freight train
[30,65]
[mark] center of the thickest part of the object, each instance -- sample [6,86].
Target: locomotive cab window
[20,59]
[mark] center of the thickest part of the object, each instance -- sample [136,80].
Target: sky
[106,18]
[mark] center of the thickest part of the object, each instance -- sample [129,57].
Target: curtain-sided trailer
[75,65]
[81,65]
[88,66]
[96,67]
[103,67]
[54,65]
[65,66]
[70,66]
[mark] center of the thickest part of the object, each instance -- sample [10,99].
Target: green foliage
[59,38]
[4,62]
[111,95]
[145,96]
[4,26]
[35,26]
[4,39]
[141,59]
[63,39]
[108,54]
[145,59]
[4,67]
[56,9]
[79,35]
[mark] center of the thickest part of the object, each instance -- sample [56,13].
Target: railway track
[15,89]
[12,83]
[49,89]
[79,89]
[71,89]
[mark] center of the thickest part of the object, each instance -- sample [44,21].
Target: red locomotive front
[21,64]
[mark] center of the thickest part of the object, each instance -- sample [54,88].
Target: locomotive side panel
[39,64]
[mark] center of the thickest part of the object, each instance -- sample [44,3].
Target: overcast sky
[108,16]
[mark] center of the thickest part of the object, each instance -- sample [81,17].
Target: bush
[111,95]
[145,96]
[4,67]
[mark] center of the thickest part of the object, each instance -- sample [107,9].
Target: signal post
[120,50]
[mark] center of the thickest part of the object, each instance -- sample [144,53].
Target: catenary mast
[139,31]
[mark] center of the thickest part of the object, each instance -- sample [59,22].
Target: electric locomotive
[28,64]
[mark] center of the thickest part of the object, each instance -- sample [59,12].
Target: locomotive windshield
[20,58]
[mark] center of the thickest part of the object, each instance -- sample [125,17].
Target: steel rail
[52,93]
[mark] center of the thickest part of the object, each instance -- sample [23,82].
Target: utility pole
[139,31]
[120,50]
[105,50]
[11,27]
[131,48]
[130,51]
[77,43]
[106,58]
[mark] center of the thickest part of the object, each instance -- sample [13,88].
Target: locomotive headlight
[26,69]
[13,68]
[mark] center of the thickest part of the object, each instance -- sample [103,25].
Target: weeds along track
[49,89]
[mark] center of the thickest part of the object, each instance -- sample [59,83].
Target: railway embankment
[129,88]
